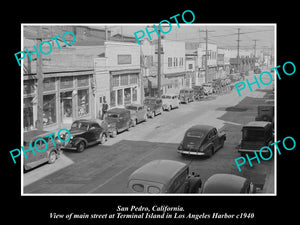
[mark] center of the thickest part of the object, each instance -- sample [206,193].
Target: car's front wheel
[52,157]
[80,146]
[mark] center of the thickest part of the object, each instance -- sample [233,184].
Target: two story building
[117,75]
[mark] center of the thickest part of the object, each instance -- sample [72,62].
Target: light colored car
[228,183]
[170,101]
[164,176]
[138,113]
[208,88]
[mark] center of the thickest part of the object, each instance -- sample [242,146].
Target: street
[105,168]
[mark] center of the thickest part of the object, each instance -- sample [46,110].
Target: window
[124,79]
[127,96]
[49,109]
[113,98]
[29,87]
[83,102]
[134,94]
[196,134]
[153,190]
[49,84]
[134,79]
[120,97]
[66,99]
[82,81]
[28,112]
[115,81]
[66,82]
[174,62]
[169,62]
[190,66]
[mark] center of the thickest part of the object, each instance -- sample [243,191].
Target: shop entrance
[67,107]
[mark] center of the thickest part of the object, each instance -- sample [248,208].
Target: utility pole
[255,47]
[40,83]
[238,50]
[159,65]
[206,52]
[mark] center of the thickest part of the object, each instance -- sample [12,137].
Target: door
[94,132]
[214,138]
[67,109]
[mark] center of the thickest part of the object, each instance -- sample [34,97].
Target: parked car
[170,101]
[49,155]
[138,113]
[256,134]
[208,88]
[198,92]
[227,183]
[186,95]
[201,140]
[85,133]
[164,176]
[118,120]
[265,113]
[154,106]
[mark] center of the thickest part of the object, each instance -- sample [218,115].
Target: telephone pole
[206,52]
[159,65]
[40,83]
[238,50]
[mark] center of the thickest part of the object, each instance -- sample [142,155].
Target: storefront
[67,96]
[125,88]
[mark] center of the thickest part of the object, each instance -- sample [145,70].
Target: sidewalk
[269,183]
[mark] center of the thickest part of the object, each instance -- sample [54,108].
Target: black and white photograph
[182,110]
[150,114]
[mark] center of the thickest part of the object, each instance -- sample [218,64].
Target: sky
[224,35]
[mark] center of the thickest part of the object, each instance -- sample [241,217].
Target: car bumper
[242,150]
[190,152]
[69,146]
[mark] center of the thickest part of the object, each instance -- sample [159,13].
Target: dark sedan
[85,133]
[201,140]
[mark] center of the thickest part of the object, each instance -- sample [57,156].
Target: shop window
[66,82]
[66,99]
[113,98]
[169,62]
[124,79]
[49,84]
[29,87]
[120,97]
[83,102]
[27,113]
[115,81]
[82,81]
[134,94]
[49,109]
[127,96]
[134,78]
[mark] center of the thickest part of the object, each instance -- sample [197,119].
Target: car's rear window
[112,115]
[153,190]
[131,107]
[79,125]
[196,134]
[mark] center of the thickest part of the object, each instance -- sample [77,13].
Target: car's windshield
[253,134]
[131,107]
[80,125]
[196,134]
[112,115]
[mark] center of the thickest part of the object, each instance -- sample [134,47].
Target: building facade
[118,75]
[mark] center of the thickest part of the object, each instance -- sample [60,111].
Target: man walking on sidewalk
[104,108]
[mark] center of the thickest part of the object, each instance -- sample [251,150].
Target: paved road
[105,168]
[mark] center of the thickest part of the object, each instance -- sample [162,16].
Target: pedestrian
[104,108]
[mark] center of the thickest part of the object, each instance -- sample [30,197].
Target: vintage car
[201,140]
[138,113]
[154,106]
[227,183]
[198,92]
[255,135]
[265,113]
[170,101]
[186,95]
[208,88]
[85,133]
[49,155]
[164,176]
[118,120]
